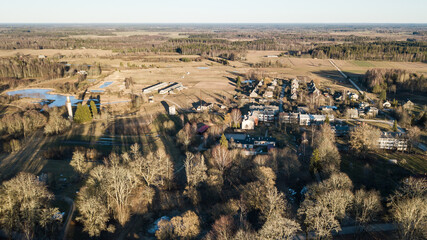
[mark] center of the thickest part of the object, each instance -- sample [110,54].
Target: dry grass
[65,52]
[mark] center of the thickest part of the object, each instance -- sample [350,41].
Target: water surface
[106,84]
[56,100]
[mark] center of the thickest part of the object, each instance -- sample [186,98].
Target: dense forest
[407,51]
[394,80]
[212,40]
[27,67]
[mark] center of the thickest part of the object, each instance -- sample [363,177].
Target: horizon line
[171,23]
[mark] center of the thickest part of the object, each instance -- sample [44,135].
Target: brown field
[205,80]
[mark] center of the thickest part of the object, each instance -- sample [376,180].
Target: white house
[387,104]
[268,94]
[353,96]
[393,141]
[172,110]
[248,123]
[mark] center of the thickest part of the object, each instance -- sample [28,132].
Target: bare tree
[319,219]
[165,230]
[222,229]
[278,227]
[366,206]
[23,200]
[195,169]
[186,226]
[236,117]
[409,208]
[78,162]
[119,185]
[364,138]
[111,186]
[185,135]
[93,211]
[221,157]
[329,157]
[414,135]
[56,123]
[326,203]
[154,169]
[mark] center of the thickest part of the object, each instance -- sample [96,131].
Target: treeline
[27,67]
[214,47]
[270,64]
[407,51]
[126,44]
[23,70]
[14,128]
[394,80]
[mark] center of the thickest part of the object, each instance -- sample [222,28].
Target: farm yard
[206,123]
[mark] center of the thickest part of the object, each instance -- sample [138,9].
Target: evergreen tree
[327,119]
[82,114]
[223,142]
[394,103]
[395,126]
[93,109]
[383,95]
[315,161]
[238,82]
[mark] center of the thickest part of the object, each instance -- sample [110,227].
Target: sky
[214,11]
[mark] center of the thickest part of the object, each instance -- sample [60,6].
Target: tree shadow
[338,79]
[165,105]
[373,172]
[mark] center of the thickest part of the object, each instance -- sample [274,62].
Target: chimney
[70,111]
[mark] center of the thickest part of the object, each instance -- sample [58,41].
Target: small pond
[56,100]
[106,84]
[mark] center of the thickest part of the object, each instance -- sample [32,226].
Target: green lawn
[363,63]
[416,163]
[376,172]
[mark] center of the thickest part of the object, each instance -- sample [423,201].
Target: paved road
[70,214]
[349,79]
[282,95]
[390,123]
[381,227]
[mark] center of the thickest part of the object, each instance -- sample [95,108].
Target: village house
[393,141]
[409,105]
[328,109]
[294,96]
[204,107]
[294,88]
[338,96]
[340,130]
[172,110]
[314,119]
[353,96]
[289,118]
[254,145]
[265,113]
[386,104]
[352,113]
[268,94]
[254,93]
[371,111]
